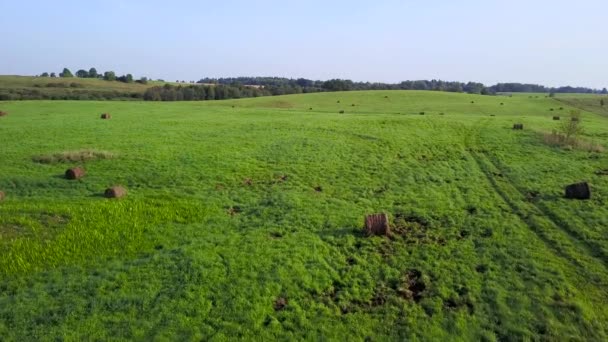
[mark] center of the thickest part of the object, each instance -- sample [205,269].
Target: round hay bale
[115,192]
[74,173]
[556,118]
[2,196]
[518,126]
[106,116]
[579,191]
[377,224]
[341,112]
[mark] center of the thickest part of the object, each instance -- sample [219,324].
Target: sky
[554,43]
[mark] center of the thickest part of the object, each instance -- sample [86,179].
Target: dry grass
[73,156]
[558,139]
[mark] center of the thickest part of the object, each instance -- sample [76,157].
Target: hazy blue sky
[550,42]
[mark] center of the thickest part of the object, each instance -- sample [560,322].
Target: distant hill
[57,88]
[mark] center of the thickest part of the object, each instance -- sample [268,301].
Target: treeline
[535,88]
[92,73]
[281,86]
[170,92]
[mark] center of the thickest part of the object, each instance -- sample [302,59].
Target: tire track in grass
[537,221]
[593,249]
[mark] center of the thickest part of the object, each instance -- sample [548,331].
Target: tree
[109,76]
[82,73]
[53,74]
[129,78]
[93,73]
[604,91]
[571,128]
[143,80]
[45,74]
[66,73]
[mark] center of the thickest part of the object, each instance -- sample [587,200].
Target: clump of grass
[558,139]
[72,156]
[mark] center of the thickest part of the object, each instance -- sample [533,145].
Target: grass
[79,156]
[246,222]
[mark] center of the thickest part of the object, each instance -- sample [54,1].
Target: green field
[244,220]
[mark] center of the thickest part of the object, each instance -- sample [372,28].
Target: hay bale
[106,116]
[556,118]
[377,224]
[518,126]
[578,191]
[341,112]
[2,196]
[115,192]
[74,173]
[3,113]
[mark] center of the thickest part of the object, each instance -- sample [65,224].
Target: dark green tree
[109,76]
[66,73]
[82,73]
[45,74]
[93,73]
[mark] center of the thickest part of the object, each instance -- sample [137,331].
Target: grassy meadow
[243,220]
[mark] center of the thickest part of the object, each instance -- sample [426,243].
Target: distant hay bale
[3,113]
[472,101]
[556,118]
[502,104]
[106,116]
[353,105]
[115,192]
[551,109]
[79,156]
[422,113]
[74,173]
[310,108]
[518,126]
[377,224]
[341,112]
[578,191]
